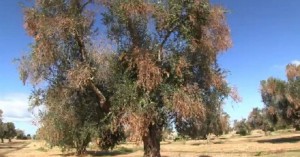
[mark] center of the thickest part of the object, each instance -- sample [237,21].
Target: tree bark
[152,141]
[297,128]
[81,145]
[9,139]
[2,141]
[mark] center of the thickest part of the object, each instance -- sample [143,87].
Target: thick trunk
[2,141]
[9,139]
[80,151]
[152,141]
[81,145]
[297,128]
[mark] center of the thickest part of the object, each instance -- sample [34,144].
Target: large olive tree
[163,68]
[70,76]
[167,67]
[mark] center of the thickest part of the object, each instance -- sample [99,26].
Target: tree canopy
[7,130]
[281,98]
[162,68]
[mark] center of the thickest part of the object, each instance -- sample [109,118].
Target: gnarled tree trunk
[152,141]
[81,145]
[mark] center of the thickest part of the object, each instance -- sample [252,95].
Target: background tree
[10,131]
[259,119]
[20,134]
[225,123]
[255,119]
[2,135]
[28,137]
[281,98]
[199,129]
[241,127]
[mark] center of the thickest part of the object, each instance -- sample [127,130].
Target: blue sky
[266,37]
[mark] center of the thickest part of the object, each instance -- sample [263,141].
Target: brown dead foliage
[292,71]
[270,87]
[180,66]
[131,8]
[186,102]
[234,94]
[80,76]
[148,73]
[294,100]
[218,80]
[215,34]
[136,125]
[271,110]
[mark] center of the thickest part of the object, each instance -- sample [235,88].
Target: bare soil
[283,144]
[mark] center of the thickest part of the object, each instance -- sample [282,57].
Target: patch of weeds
[42,149]
[219,142]
[258,154]
[124,150]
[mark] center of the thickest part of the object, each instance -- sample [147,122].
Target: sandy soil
[287,144]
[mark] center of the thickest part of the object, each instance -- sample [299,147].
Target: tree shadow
[119,151]
[12,147]
[204,156]
[293,139]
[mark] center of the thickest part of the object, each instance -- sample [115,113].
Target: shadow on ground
[281,140]
[119,151]
[110,153]
[12,147]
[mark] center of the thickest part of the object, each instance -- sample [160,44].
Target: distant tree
[10,131]
[20,134]
[194,129]
[34,137]
[167,131]
[225,123]
[28,137]
[2,129]
[259,119]
[282,98]
[242,127]
[255,119]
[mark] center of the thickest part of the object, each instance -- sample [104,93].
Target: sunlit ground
[283,144]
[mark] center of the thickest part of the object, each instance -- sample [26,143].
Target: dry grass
[278,144]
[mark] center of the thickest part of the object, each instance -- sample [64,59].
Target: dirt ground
[278,144]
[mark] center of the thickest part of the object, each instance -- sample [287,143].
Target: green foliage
[10,130]
[108,138]
[255,119]
[242,127]
[42,149]
[7,130]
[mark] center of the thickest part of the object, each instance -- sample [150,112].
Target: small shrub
[42,149]
[243,132]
